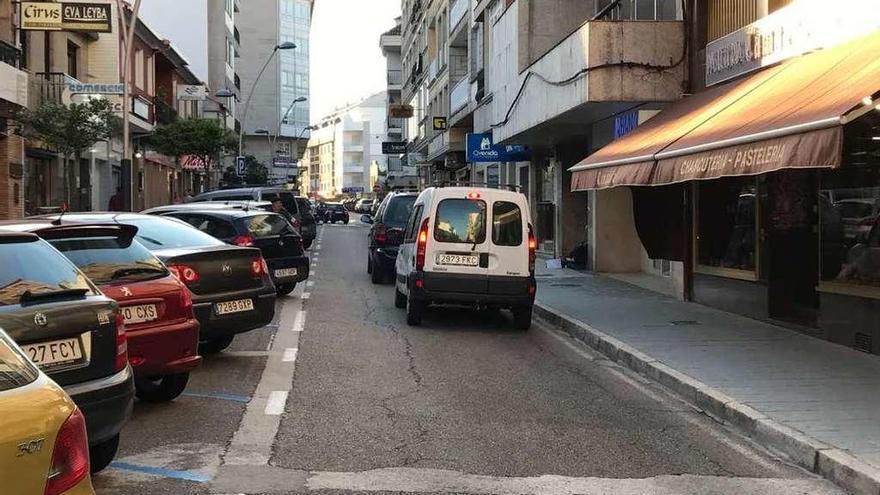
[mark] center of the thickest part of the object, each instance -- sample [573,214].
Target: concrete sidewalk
[817,402]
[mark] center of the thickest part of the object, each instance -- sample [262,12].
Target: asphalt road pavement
[461,404]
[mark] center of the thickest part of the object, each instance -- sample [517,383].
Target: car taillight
[533,246]
[243,241]
[70,456]
[186,299]
[121,358]
[422,245]
[259,267]
[380,235]
[185,274]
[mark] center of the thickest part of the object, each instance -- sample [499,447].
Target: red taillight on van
[380,234]
[533,247]
[70,456]
[121,358]
[422,245]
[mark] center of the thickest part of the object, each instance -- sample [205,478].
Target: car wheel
[307,244]
[215,346]
[284,289]
[522,317]
[399,299]
[102,455]
[414,310]
[161,389]
[376,276]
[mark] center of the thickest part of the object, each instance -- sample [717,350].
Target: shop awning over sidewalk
[787,116]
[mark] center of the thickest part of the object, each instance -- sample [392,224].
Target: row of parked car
[111,306]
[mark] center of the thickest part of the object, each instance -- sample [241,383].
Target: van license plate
[139,314]
[238,306]
[57,352]
[458,259]
[285,272]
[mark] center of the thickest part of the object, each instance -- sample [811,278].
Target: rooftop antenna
[64,209]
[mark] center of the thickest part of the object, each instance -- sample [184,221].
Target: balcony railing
[47,87]
[237,82]
[236,35]
[459,96]
[9,54]
[457,10]
[395,77]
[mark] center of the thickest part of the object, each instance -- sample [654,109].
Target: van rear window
[461,220]
[507,226]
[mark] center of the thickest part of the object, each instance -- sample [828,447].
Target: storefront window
[849,209]
[726,224]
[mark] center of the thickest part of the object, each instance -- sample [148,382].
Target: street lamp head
[261,131]
[287,45]
[224,93]
[300,99]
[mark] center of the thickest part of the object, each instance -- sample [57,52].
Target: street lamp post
[287,45]
[127,30]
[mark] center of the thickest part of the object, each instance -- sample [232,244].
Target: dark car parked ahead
[71,331]
[232,290]
[386,234]
[280,244]
[335,212]
[298,207]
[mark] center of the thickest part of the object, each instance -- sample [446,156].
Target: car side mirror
[366,219]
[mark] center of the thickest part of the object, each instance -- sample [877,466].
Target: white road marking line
[275,404]
[314,265]
[318,247]
[310,283]
[289,355]
[300,322]
[306,295]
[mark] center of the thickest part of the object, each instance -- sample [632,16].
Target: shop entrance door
[790,247]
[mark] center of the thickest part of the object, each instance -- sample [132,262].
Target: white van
[467,245]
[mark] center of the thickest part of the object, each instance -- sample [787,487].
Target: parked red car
[163,334]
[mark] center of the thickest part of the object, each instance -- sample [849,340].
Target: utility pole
[127,30]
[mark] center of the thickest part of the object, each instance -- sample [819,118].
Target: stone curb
[838,466]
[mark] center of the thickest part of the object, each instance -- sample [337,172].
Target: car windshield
[36,268]
[397,211]
[110,259]
[15,370]
[165,233]
[461,220]
[267,225]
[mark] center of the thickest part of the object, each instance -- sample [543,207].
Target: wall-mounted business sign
[798,28]
[625,123]
[393,147]
[352,190]
[192,92]
[66,16]
[78,88]
[480,148]
[400,111]
[440,123]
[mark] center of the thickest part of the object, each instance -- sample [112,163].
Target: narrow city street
[461,404]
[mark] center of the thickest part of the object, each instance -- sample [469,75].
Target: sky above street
[346,61]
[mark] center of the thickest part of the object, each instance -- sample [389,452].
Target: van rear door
[459,245]
[508,268]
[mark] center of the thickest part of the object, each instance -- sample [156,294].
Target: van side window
[412,224]
[506,224]
[461,221]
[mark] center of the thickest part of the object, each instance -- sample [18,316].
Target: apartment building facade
[276,126]
[345,151]
[400,173]
[13,97]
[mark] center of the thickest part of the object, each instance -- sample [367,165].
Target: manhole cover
[684,323]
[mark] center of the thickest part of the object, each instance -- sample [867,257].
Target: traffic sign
[377,188]
[240,166]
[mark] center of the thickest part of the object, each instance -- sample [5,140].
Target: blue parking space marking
[217,395]
[162,472]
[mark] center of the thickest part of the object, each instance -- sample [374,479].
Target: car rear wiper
[122,272]
[29,296]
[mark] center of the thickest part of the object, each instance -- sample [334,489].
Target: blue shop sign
[625,123]
[480,148]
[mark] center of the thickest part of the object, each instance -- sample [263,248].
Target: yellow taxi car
[43,443]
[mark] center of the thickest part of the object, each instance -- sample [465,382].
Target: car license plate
[57,352]
[237,306]
[285,272]
[458,259]
[140,314]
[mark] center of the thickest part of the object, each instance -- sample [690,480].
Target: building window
[849,233]
[72,60]
[727,220]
